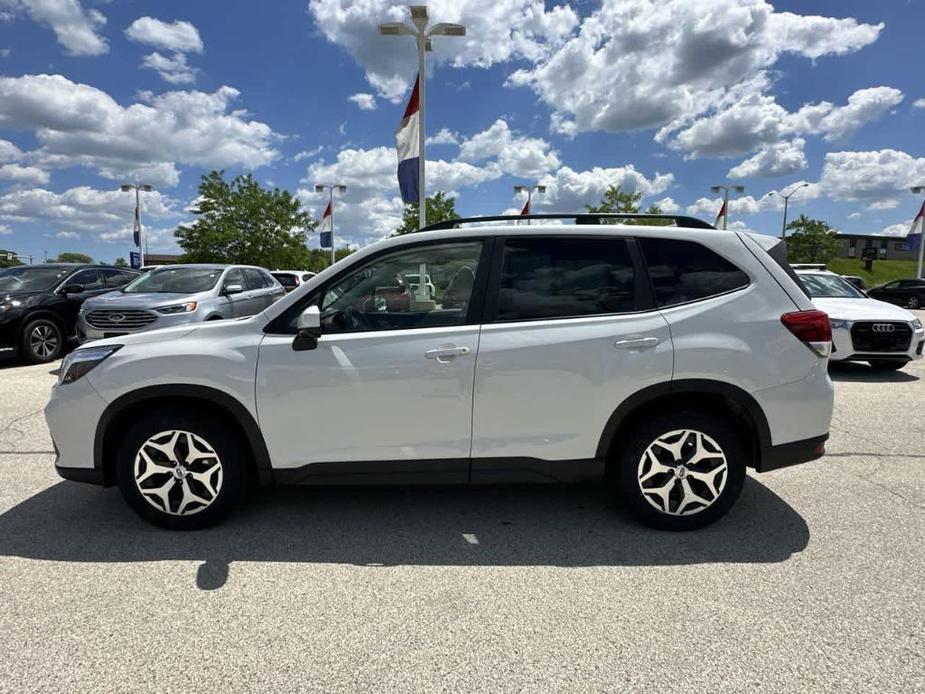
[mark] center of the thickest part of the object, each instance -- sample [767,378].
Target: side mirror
[232,289]
[309,327]
[73,289]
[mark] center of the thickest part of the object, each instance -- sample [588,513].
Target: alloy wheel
[682,472]
[913,302]
[178,472]
[43,339]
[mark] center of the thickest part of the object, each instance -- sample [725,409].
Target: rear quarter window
[685,271]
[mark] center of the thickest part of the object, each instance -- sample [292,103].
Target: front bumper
[843,348]
[71,415]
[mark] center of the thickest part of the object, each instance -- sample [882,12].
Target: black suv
[39,304]
[909,293]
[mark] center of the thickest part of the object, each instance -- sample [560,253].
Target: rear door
[570,332]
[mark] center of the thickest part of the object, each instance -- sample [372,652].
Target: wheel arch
[47,314]
[121,412]
[702,394]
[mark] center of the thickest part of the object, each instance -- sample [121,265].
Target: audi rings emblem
[883,327]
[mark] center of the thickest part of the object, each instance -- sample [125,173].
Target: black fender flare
[733,394]
[228,403]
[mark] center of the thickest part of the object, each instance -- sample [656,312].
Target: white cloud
[568,190]
[308,153]
[365,102]
[79,125]
[444,137]
[5,52]
[497,31]
[667,205]
[173,69]
[9,151]
[75,27]
[780,159]
[878,178]
[80,209]
[642,64]
[178,36]
[525,157]
[854,215]
[67,235]
[918,103]
[5,230]
[23,174]
[899,229]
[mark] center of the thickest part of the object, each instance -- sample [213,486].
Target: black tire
[229,481]
[912,302]
[887,364]
[41,341]
[627,474]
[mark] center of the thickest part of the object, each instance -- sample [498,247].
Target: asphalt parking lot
[813,583]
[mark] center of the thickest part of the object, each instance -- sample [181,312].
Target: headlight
[82,361]
[188,307]
[10,305]
[838,324]
[916,324]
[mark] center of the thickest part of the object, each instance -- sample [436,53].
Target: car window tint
[235,276]
[253,279]
[116,278]
[266,278]
[562,278]
[683,271]
[90,279]
[380,296]
[286,279]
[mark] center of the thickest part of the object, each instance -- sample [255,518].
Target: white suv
[663,359]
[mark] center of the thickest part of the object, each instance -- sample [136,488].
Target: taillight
[812,328]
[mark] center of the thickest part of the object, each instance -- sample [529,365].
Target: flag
[136,233]
[327,226]
[526,210]
[721,217]
[914,237]
[408,144]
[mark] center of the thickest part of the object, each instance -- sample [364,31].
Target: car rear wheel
[42,341]
[182,471]
[681,471]
[887,364]
[912,302]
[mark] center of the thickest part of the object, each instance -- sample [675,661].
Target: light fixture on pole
[783,229]
[138,230]
[422,37]
[920,220]
[529,190]
[327,219]
[724,210]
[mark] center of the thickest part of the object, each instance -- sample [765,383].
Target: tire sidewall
[26,342]
[626,478]
[226,445]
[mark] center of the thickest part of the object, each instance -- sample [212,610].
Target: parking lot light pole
[423,39]
[726,189]
[138,229]
[918,190]
[783,229]
[538,188]
[340,189]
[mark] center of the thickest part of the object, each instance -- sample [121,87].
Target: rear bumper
[792,453]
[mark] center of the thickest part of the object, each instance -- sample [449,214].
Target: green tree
[239,221]
[320,258]
[120,262]
[69,257]
[8,259]
[812,241]
[440,208]
[616,201]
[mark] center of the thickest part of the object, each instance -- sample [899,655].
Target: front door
[389,387]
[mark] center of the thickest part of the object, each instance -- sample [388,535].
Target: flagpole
[422,80]
[331,205]
[141,231]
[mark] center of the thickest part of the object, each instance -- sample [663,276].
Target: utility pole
[918,190]
[783,229]
[137,228]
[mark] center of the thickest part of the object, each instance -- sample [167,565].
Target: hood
[862,309]
[119,299]
[20,296]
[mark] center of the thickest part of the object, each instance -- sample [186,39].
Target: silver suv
[178,294]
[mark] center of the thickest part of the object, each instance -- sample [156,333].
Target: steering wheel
[354,319]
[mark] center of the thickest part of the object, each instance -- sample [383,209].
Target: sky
[662,97]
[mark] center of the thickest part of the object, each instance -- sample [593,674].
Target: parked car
[290,279]
[39,305]
[909,293]
[864,329]
[662,360]
[177,295]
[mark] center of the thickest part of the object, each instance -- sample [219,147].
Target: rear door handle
[446,354]
[637,343]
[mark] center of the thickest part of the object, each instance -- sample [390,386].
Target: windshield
[829,287]
[175,280]
[32,279]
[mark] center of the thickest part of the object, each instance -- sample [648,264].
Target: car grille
[125,320]
[881,337]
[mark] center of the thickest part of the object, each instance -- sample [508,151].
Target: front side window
[565,278]
[89,279]
[253,278]
[684,271]
[387,294]
[235,277]
[117,278]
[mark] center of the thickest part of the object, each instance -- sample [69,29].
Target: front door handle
[447,354]
[637,343]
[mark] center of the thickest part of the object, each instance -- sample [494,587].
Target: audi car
[864,329]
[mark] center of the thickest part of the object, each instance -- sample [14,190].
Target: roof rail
[579,217]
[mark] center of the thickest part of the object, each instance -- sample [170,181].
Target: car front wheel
[181,471]
[42,341]
[681,471]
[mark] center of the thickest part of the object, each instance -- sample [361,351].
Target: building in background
[887,247]
[161,259]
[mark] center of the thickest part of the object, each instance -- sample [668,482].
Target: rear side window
[564,278]
[683,271]
[286,279]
